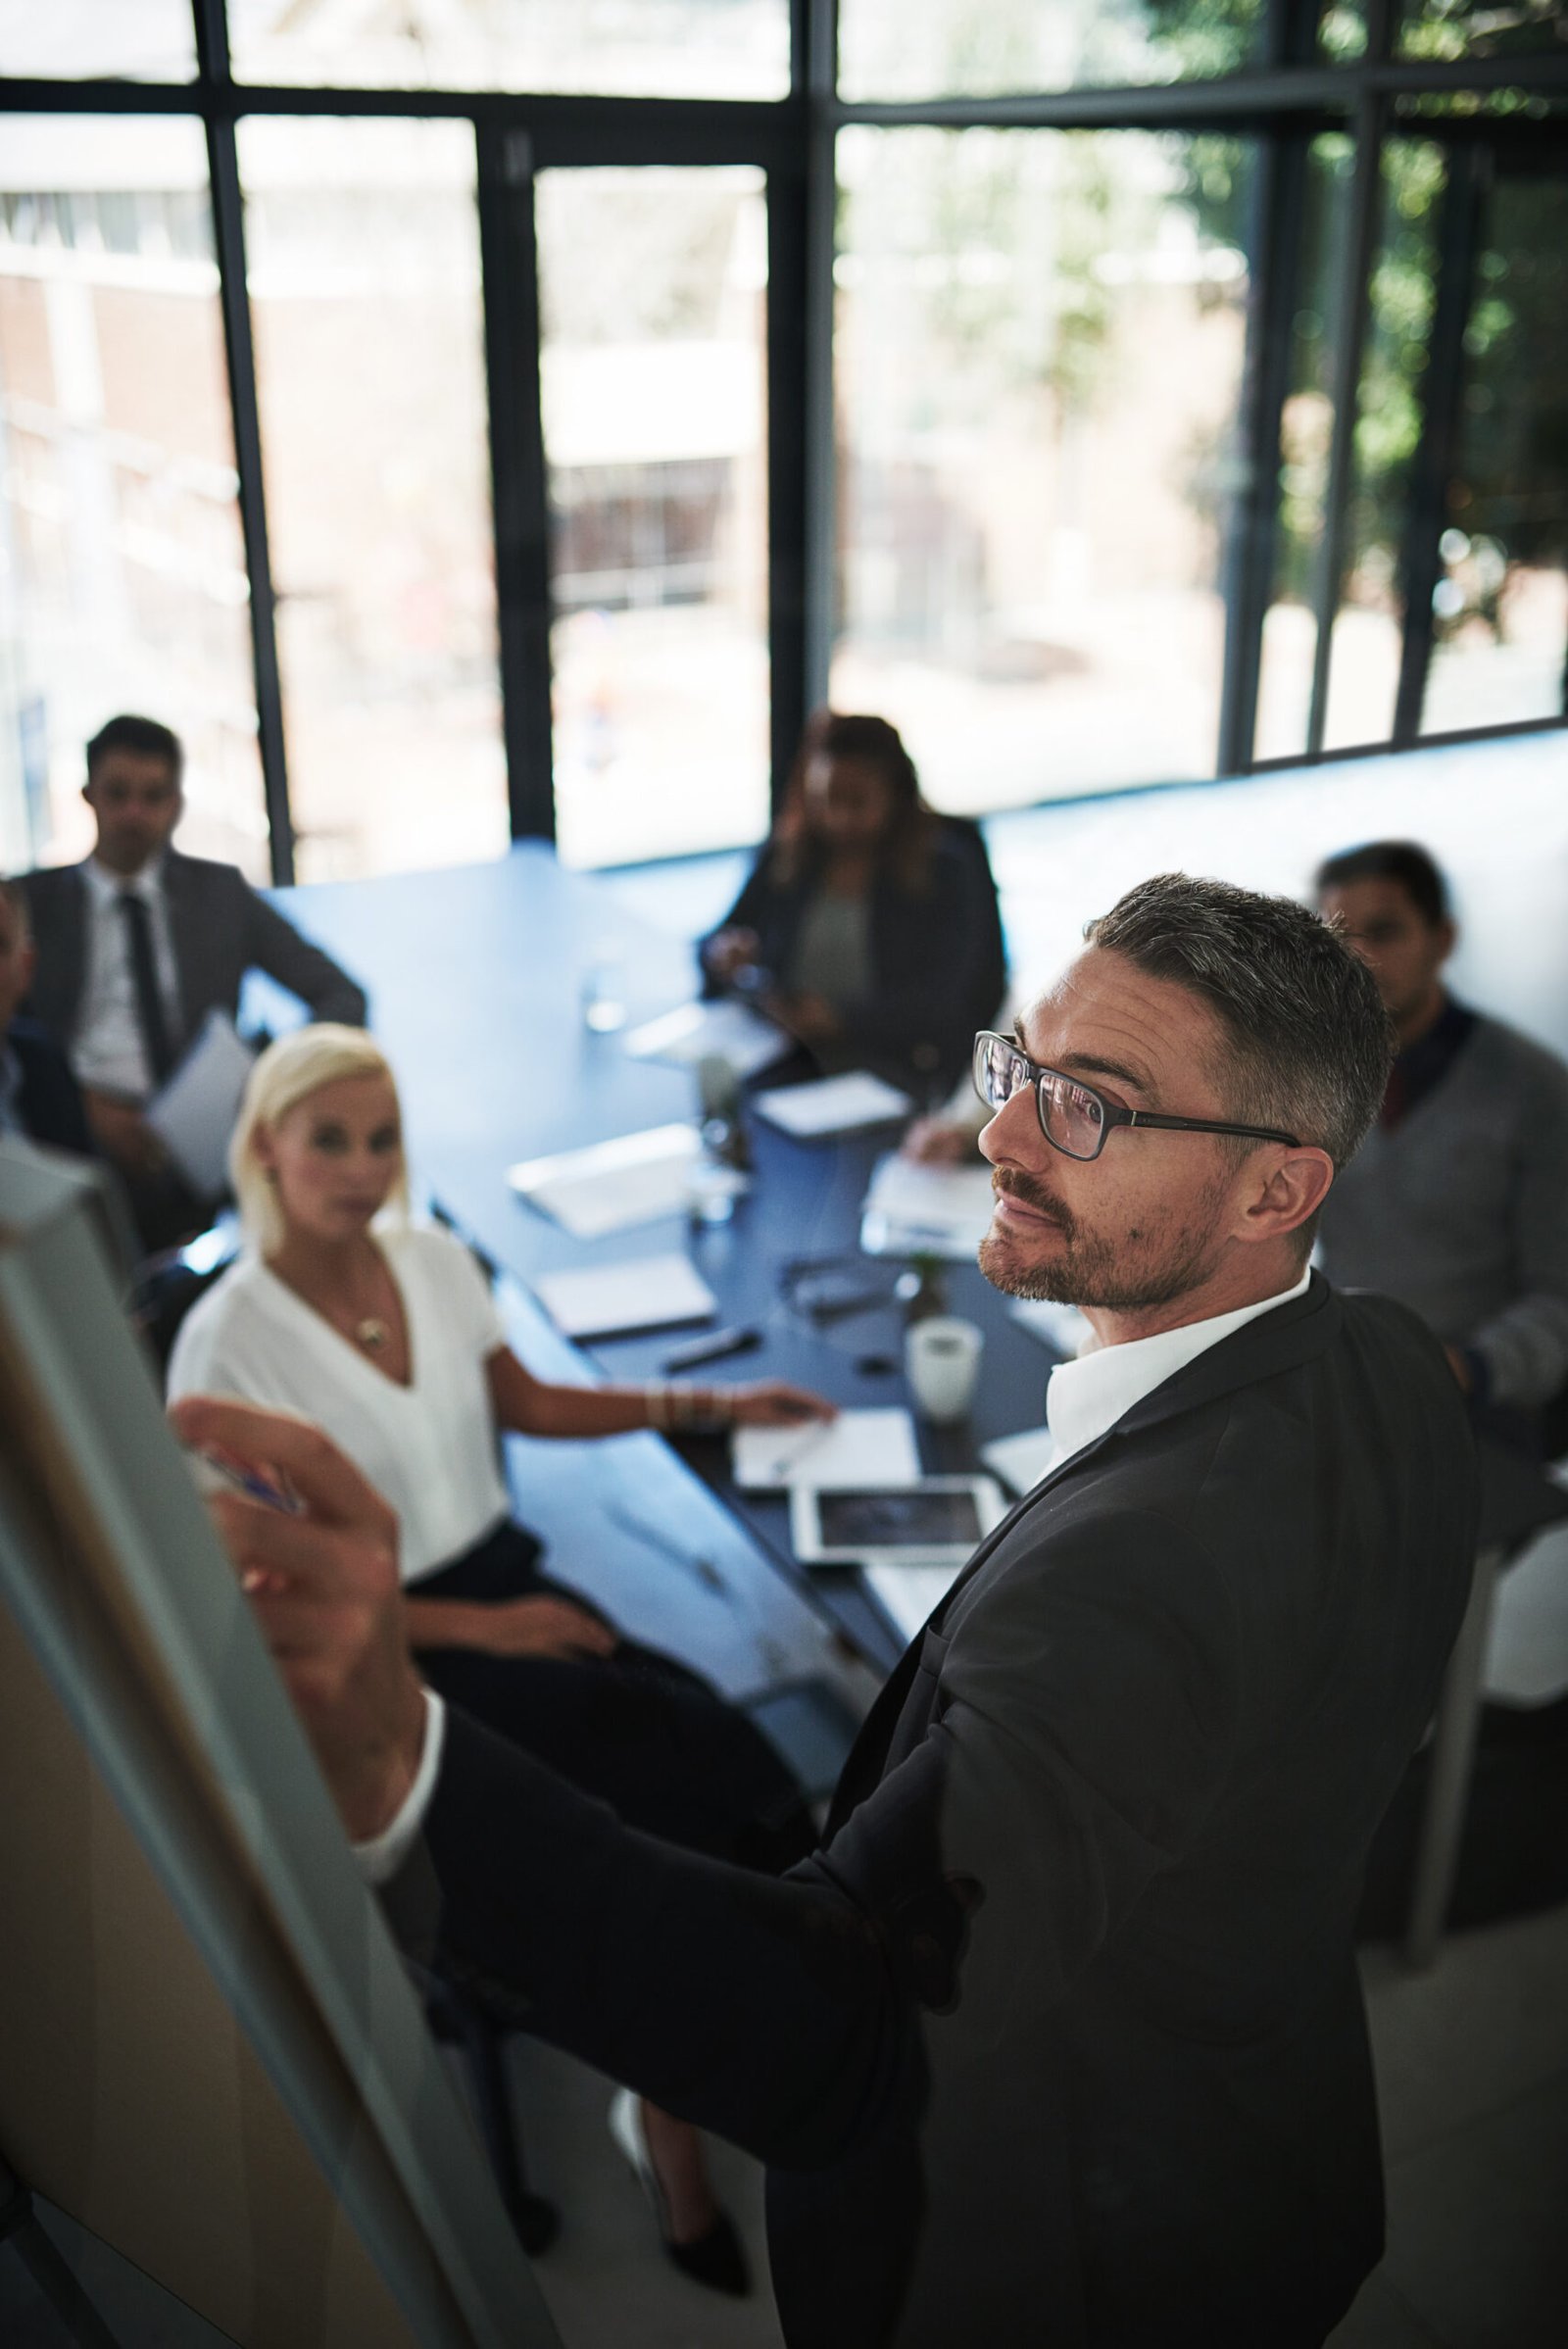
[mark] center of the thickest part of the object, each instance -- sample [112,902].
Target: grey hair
[1308,1045]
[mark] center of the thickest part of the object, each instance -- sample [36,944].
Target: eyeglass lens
[1072,1117]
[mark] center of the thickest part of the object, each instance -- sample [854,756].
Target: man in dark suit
[39,1098]
[1058,2037]
[138,944]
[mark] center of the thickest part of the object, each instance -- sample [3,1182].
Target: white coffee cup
[942,1363]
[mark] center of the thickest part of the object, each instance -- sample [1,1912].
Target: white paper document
[603,1301]
[692,1032]
[612,1183]
[833,1106]
[1021,1460]
[859,1447]
[909,1593]
[1060,1327]
[194,1115]
[911,1209]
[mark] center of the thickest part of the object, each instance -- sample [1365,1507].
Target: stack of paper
[834,1106]
[912,1210]
[613,1183]
[859,1447]
[692,1032]
[604,1301]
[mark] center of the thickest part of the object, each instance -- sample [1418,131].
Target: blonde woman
[385,1335]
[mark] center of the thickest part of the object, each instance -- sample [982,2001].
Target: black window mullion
[787,517]
[509,262]
[228,236]
[817,31]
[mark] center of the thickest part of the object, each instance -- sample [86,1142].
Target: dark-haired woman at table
[868,927]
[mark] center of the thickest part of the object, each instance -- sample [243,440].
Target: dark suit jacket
[1059,2037]
[221,929]
[938,963]
[49,1100]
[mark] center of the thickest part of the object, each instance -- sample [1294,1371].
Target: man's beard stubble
[1090,1269]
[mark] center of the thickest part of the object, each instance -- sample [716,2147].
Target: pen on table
[717,1347]
[786,1461]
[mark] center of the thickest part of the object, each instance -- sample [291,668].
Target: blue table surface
[475,976]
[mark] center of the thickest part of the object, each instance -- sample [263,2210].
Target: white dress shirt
[107,1049]
[1084,1398]
[1088,1395]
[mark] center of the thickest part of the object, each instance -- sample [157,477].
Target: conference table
[477,979]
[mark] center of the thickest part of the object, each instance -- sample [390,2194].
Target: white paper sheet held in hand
[859,1447]
[612,1183]
[194,1115]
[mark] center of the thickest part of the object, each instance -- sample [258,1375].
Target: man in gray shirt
[1457,1201]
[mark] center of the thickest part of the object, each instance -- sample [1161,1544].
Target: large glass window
[1368,623]
[121,563]
[1306,438]
[979,48]
[141,40]
[1039,359]
[631,48]
[1453,28]
[363,271]
[652,285]
[1500,607]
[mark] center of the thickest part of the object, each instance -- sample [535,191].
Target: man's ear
[1448,936]
[1287,1193]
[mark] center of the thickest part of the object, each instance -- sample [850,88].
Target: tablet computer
[935,1521]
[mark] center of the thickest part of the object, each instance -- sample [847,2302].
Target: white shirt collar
[104,886]
[1086,1397]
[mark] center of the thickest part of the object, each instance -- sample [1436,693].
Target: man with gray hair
[1058,2037]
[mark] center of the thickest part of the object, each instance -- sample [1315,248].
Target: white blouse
[430,1448]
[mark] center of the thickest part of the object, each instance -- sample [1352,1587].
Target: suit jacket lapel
[180,902]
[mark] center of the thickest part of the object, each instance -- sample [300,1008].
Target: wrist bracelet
[656,1397]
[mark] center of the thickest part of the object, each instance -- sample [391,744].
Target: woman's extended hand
[774,1403]
[544,1626]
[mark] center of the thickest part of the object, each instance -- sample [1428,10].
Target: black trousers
[638,1730]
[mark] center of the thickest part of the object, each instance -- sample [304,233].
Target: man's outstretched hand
[323,1584]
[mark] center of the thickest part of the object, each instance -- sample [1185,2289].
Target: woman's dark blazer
[1059,2039]
[939,967]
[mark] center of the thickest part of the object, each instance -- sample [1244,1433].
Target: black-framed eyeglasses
[1074,1118]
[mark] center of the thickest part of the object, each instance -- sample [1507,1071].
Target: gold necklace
[371,1334]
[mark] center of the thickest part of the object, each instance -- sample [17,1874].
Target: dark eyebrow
[1088,1064]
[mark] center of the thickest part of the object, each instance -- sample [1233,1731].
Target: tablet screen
[897,1520]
